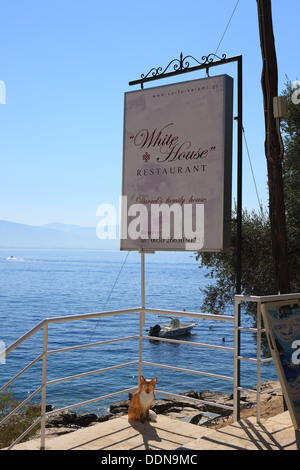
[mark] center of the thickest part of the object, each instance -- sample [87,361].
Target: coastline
[179,409]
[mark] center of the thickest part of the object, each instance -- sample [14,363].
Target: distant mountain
[54,235]
[65,227]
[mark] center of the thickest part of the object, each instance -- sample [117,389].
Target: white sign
[177,153]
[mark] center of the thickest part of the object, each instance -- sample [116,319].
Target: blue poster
[282,323]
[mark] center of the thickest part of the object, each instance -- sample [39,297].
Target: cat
[139,407]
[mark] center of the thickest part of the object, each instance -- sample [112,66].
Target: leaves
[257,263]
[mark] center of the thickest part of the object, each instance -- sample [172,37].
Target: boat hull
[167,332]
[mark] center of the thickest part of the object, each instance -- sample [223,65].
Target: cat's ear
[154,380]
[142,379]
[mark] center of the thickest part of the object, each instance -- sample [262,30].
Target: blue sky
[66,65]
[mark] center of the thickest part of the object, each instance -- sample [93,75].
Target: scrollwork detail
[182,64]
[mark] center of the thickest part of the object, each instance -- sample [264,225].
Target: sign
[177,153]
[282,323]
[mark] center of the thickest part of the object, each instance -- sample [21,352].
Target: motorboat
[13,258]
[174,329]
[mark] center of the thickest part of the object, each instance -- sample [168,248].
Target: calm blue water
[46,283]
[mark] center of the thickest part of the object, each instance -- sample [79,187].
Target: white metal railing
[259,300]
[43,387]
[235,320]
[44,325]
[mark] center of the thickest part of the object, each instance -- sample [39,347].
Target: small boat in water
[13,258]
[174,329]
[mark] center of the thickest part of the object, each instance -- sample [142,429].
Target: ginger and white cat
[139,407]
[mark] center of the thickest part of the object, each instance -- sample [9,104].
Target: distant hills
[54,235]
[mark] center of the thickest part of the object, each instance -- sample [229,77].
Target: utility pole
[273,148]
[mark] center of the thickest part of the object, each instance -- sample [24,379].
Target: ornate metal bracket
[181,65]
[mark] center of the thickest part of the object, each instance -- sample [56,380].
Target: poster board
[177,166]
[282,323]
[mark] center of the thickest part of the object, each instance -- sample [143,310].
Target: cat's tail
[152,415]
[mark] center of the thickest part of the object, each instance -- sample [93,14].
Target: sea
[38,284]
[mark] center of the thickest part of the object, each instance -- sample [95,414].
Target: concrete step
[276,433]
[171,434]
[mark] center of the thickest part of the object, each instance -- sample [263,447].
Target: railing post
[236,362]
[44,380]
[142,310]
[258,362]
[142,313]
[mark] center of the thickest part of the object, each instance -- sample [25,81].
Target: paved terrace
[276,433]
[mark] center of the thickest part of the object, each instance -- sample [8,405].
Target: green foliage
[19,422]
[291,177]
[257,269]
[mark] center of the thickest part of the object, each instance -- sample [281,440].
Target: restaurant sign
[177,151]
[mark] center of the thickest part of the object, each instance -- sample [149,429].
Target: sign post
[174,68]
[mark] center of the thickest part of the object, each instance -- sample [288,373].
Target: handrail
[93,400]
[181,369]
[264,298]
[44,325]
[82,316]
[259,300]
[195,400]
[21,372]
[21,405]
[141,311]
[140,362]
[190,343]
[89,345]
[21,340]
[86,374]
[207,316]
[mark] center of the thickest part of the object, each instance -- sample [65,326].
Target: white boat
[13,258]
[174,329]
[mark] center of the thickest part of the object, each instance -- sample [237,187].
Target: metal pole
[142,313]
[156,74]
[239,175]
[239,235]
[142,279]
[236,361]
[44,380]
[258,363]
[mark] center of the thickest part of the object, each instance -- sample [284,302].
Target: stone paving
[276,433]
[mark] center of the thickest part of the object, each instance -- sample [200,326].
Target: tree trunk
[273,149]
